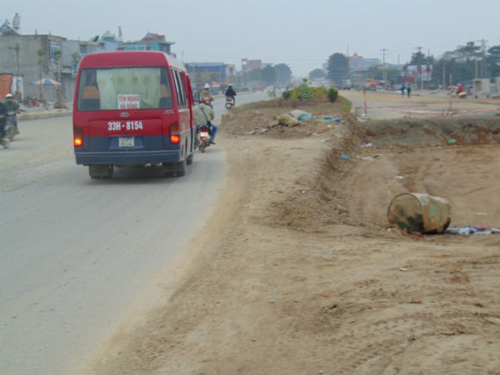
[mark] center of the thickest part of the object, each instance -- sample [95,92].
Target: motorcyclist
[205,93]
[12,106]
[204,115]
[3,112]
[230,93]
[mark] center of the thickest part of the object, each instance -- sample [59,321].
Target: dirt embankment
[299,272]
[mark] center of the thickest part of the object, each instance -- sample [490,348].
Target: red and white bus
[133,109]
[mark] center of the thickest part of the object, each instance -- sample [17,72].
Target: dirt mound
[407,149]
[425,132]
[297,271]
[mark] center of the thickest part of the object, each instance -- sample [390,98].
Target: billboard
[425,72]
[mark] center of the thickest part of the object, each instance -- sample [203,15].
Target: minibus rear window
[124,88]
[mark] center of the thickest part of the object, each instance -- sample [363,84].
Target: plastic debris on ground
[331,118]
[288,120]
[296,113]
[469,230]
[305,116]
[345,156]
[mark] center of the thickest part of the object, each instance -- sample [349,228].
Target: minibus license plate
[126,142]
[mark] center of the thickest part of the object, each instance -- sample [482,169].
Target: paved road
[81,256]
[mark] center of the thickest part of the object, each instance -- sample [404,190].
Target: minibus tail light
[77,136]
[175,135]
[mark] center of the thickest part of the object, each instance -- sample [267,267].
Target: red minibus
[133,109]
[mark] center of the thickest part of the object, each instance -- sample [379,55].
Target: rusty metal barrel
[420,213]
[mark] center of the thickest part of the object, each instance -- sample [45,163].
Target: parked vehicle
[203,137]
[133,109]
[229,103]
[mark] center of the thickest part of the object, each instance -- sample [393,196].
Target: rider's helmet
[9,96]
[207,86]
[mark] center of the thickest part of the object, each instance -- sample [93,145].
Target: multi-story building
[358,64]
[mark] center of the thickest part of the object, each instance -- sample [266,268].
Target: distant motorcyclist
[205,93]
[204,115]
[12,107]
[230,93]
[3,112]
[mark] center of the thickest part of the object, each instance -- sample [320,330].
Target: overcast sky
[300,33]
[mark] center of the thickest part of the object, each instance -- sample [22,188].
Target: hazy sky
[300,33]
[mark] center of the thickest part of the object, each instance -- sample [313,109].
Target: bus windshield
[124,88]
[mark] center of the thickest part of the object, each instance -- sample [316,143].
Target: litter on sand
[469,230]
[331,118]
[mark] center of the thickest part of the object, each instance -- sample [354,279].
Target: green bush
[318,93]
[304,93]
[286,94]
[333,95]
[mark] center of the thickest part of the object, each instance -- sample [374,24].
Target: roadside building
[150,42]
[37,56]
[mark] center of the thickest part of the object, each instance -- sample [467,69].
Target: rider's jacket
[11,105]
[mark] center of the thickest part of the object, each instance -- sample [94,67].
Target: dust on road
[299,272]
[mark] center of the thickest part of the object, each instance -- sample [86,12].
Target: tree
[40,54]
[377,72]
[317,74]
[493,61]
[269,75]
[283,74]
[337,67]
[468,52]
[17,49]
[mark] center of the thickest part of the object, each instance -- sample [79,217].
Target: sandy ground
[299,271]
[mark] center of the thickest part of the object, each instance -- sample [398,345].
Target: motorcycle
[10,125]
[229,103]
[203,137]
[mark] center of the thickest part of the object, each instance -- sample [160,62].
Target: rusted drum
[420,213]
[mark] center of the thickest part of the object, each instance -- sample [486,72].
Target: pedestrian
[408,89]
[403,88]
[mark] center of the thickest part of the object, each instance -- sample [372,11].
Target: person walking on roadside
[402,88]
[408,89]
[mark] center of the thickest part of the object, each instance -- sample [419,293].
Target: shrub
[286,94]
[333,94]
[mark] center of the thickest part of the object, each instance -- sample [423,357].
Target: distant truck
[346,84]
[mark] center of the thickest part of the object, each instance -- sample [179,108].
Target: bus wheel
[181,168]
[190,159]
[101,171]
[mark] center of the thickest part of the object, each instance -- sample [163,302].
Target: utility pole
[384,76]
[483,47]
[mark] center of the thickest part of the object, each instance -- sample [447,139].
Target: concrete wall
[28,61]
